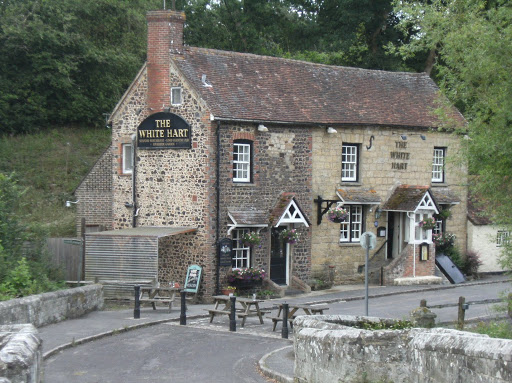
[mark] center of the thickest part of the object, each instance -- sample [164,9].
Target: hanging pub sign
[164,131]
[225,252]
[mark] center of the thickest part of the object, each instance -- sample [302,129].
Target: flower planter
[244,284]
[338,220]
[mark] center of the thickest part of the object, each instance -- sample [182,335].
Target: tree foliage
[66,61]
[472,40]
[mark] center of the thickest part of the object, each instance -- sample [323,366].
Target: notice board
[193,279]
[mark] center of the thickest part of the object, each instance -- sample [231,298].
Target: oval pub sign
[164,131]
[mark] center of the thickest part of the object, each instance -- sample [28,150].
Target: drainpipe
[134,178]
[217,235]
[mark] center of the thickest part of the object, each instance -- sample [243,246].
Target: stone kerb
[20,354]
[43,309]
[327,350]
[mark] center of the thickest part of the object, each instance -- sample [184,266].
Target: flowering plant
[251,238]
[427,223]
[443,241]
[289,235]
[232,288]
[246,273]
[337,214]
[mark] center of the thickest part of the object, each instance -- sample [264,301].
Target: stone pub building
[208,145]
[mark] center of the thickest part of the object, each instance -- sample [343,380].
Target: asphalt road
[205,352]
[164,353]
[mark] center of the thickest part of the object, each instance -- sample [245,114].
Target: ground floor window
[352,228]
[502,238]
[241,252]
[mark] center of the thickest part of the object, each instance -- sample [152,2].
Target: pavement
[278,364]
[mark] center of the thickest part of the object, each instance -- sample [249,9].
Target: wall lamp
[331,130]
[262,128]
[403,137]
[378,213]
[423,137]
[68,203]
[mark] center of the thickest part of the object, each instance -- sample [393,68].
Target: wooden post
[284,329]
[509,305]
[232,316]
[423,303]
[462,312]
[183,315]
[82,235]
[136,310]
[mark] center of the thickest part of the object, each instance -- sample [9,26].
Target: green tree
[66,61]
[472,45]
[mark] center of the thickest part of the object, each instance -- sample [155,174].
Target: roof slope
[262,88]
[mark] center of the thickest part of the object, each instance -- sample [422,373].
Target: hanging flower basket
[337,214]
[427,224]
[289,236]
[251,239]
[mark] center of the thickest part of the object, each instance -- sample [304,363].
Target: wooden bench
[292,314]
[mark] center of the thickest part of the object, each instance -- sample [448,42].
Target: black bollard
[232,318]
[284,330]
[183,315]
[136,310]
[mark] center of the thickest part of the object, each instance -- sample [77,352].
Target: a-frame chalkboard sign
[193,279]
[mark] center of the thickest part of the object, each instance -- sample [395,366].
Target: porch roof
[146,231]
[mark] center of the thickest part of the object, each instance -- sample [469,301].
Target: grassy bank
[50,165]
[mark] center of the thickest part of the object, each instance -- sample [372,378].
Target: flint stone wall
[328,350]
[43,309]
[20,354]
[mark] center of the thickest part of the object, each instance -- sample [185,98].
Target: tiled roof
[261,88]
[406,198]
[476,212]
[444,196]
[358,196]
[249,217]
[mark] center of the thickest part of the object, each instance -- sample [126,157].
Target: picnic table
[249,307]
[156,295]
[292,312]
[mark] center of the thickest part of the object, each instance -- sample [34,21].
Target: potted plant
[228,290]
[427,223]
[289,236]
[337,214]
[251,238]
[246,277]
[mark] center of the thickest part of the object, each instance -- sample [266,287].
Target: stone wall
[282,163]
[20,354]
[377,173]
[43,309]
[328,350]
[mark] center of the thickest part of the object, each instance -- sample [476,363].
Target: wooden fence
[67,254]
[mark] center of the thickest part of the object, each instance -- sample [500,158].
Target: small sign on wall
[164,131]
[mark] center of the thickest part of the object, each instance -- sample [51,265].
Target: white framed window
[242,161]
[352,228]
[127,158]
[176,96]
[349,162]
[241,252]
[438,164]
[502,238]
[438,229]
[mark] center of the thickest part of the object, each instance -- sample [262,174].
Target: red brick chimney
[165,38]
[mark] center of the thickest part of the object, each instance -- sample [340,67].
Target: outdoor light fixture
[423,137]
[403,137]
[378,212]
[262,128]
[68,203]
[331,130]
[128,205]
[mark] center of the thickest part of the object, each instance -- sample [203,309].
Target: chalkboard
[193,279]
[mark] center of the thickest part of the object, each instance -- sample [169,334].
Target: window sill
[242,184]
[438,184]
[349,244]
[350,183]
